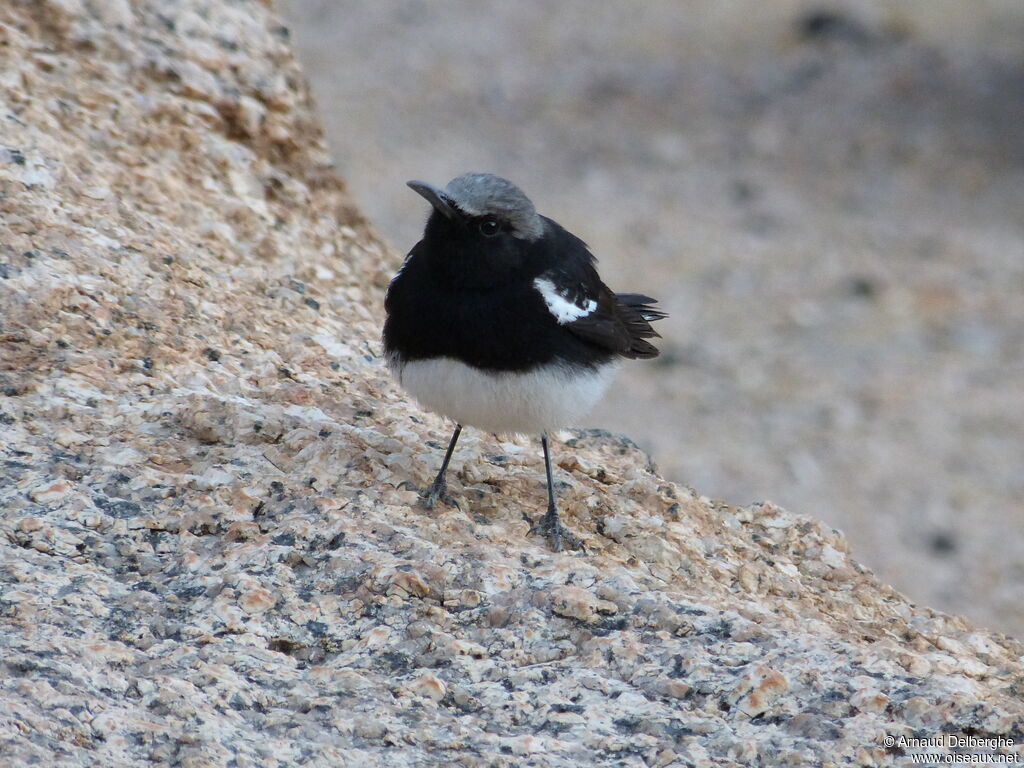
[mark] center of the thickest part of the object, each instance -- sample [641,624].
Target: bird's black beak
[435,197]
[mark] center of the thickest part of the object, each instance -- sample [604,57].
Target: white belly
[525,403]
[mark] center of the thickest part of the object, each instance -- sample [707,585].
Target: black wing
[582,304]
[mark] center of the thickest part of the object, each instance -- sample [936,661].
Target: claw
[438,492]
[557,534]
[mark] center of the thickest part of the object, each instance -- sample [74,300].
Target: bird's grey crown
[480,194]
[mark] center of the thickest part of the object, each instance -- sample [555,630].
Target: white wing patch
[564,310]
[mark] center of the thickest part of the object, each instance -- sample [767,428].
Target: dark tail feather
[643,304]
[639,312]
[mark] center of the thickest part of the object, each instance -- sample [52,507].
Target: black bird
[499,320]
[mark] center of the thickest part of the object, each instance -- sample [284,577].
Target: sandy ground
[829,203]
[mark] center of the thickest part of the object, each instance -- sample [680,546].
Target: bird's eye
[489,227]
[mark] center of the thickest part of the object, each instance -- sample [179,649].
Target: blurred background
[828,199]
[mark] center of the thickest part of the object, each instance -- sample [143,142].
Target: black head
[482,229]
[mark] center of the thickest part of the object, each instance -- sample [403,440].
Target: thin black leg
[550,525]
[439,490]
[552,508]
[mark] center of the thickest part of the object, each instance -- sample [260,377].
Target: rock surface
[211,552]
[828,198]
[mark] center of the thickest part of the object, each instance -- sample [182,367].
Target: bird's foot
[557,534]
[438,492]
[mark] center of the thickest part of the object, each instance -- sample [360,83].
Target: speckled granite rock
[211,553]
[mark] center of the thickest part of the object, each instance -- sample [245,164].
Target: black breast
[501,328]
